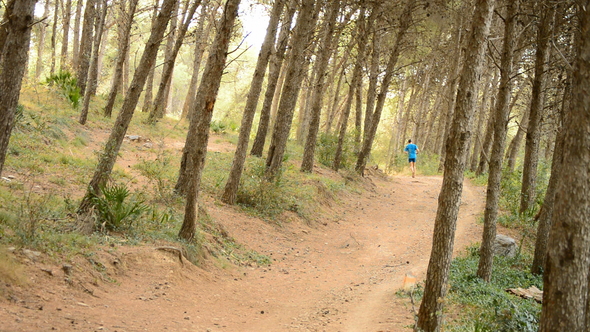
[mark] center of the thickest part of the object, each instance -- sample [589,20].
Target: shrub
[326,150]
[69,84]
[113,211]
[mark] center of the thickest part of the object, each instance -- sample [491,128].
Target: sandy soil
[340,274]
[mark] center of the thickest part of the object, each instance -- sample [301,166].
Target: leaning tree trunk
[404,22]
[501,117]
[533,135]
[76,39]
[363,35]
[149,87]
[326,50]
[13,60]
[109,154]
[514,145]
[302,35]
[565,291]
[201,38]
[435,288]
[274,72]
[125,16]
[161,96]
[546,213]
[53,38]
[198,135]
[478,140]
[231,187]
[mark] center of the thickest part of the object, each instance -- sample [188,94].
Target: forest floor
[342,272]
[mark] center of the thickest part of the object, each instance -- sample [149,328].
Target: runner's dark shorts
[411,160]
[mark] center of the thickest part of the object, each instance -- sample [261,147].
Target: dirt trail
[341,276]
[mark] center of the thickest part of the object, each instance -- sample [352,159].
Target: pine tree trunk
[531,154]
[102,6]
[149,87]
[201,38]
[198,135]
[514,145]
[477,140]
[404,23]
[565,291]
[124,33]
[86,45]
[231,187]
[76,41]
[41,27]
[363,35]
[326,50]
[435,288]
[13,59]
[109,154]
[302,35]
[546,213]
[160,102]
[53,38]
[501,117]
[272,86]
[67,14]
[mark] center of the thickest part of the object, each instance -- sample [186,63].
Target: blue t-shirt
[411,149]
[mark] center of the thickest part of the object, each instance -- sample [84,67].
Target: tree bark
[102,6]
[501,117]
[233,181]
[201,38]
[149,87]
[435,288]
[546,212]
[13,59]
[302,35]
[86,45]
[67,14]
[404,21]
[41,29]
[565,292]
[76,41]
[531,154]
[274,72]
[109,154]
[53,37]
[159,108]
[124,32]
[514,145]
[325,53]
[198,135]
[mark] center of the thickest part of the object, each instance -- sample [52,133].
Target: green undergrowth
[481,306]
[51,158]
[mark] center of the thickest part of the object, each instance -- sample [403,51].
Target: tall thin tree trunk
[501,117]
[76,41]
[13,59]
[565,291]
[109,155]
[404,23]
[231,187]
[149,87]
[124,32]
[67,14]
[201,38]
[435,288]
[53,37]
[86,45]
[326,50]
[514,145]
[198,134]
[273,85]
[546,213]
[306,22]
[531,154]
[41,27]
[102,6]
